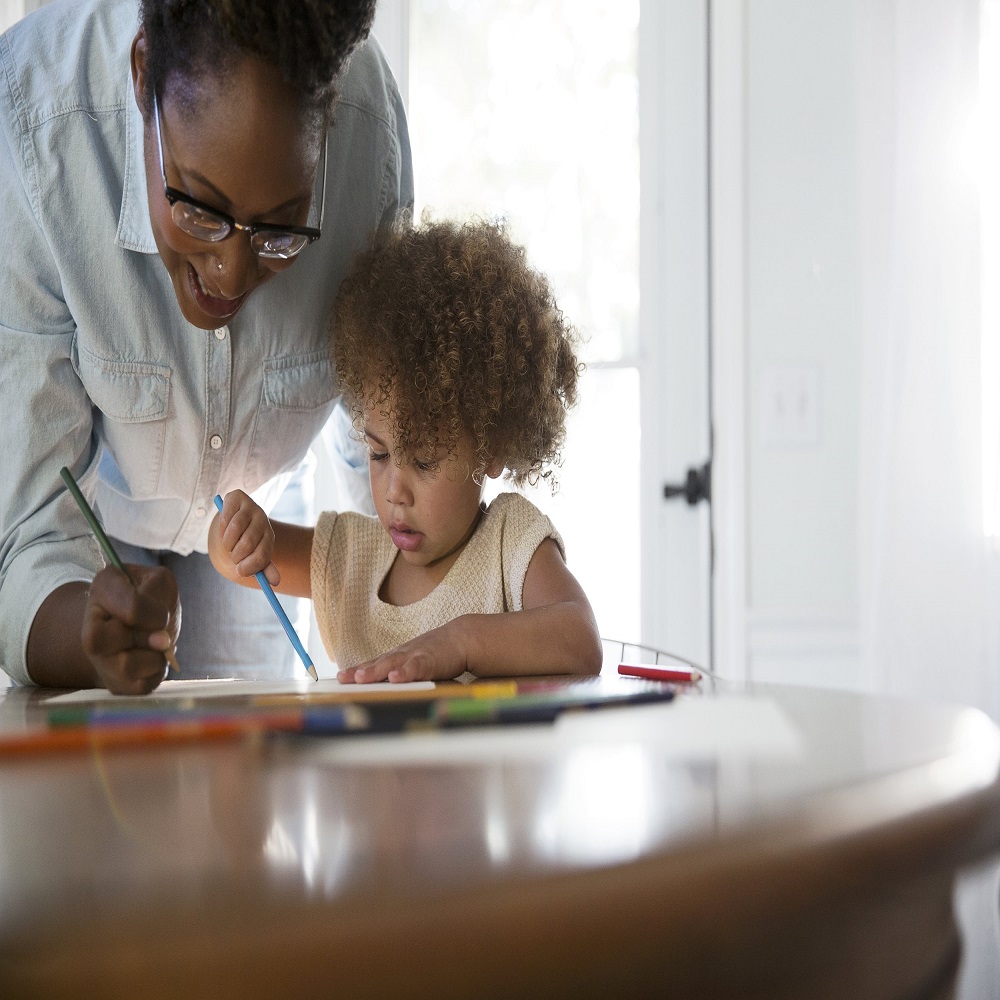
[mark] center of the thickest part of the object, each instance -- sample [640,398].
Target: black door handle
[697,486]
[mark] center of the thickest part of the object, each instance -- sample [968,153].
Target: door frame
[692,295]
[727,214]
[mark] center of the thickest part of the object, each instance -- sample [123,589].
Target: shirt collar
[135,231]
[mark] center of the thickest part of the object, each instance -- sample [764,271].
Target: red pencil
[652,673]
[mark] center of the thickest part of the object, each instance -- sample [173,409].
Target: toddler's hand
[246,535]
[434,656]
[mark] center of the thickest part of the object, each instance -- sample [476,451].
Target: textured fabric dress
[352,554]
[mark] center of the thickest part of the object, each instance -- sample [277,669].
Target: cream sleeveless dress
[352,553]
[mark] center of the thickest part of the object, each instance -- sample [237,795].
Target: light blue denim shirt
[99,370]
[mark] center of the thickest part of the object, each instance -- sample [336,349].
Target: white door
[584,124]
[675,296]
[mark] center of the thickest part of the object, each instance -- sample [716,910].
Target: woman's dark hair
[307,41]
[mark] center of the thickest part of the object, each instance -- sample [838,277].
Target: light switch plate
[790,405]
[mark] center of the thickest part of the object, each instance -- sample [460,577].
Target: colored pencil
[73,730]
[77,727]
[537,708]
[654,673]
[280,612]
[389,693]
[76,738]
[111,715]
[102,539]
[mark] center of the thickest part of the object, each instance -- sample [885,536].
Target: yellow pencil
[390,693]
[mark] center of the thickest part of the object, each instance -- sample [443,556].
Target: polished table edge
[636,927]
[847,890]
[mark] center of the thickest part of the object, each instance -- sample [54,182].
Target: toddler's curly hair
[447,331]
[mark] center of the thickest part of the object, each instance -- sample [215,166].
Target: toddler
[458,366]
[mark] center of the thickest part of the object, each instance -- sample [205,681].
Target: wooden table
[602,865]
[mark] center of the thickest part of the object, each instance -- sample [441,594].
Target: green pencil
[106,547]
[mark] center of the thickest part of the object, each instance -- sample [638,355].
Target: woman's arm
[555,633]
[53,600]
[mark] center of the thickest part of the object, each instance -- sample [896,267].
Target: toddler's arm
[242,542]
[555,633]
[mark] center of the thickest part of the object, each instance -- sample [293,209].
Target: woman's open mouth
[213,305]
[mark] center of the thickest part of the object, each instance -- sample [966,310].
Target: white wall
[802,335]
[14,10]
[10,11]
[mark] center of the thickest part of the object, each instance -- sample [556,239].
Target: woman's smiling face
[240,145]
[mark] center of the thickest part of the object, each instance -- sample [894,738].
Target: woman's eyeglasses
[269,242]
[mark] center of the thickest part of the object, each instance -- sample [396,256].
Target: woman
[182,186]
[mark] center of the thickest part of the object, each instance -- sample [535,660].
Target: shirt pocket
[297,396]
[133,400]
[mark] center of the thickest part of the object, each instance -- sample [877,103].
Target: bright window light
[528,110]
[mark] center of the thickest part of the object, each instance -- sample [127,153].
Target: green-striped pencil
[105,543]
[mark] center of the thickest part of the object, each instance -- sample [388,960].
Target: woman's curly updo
[446,330]
[307,41]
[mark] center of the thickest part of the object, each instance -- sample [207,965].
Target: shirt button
[220,334]
[200,512]
[215,441]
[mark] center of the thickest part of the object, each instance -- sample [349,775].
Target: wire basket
[618,651]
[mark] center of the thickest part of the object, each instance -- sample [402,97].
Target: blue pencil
[280,612]
[325,720]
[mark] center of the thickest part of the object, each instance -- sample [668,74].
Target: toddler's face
[430,503]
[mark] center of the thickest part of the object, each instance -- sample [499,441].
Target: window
[528,110]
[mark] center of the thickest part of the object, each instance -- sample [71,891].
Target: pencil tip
[312,672]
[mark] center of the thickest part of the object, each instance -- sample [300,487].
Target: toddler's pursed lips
[405,538]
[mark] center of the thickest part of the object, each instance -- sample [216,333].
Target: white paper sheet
[684,729]
[231,688]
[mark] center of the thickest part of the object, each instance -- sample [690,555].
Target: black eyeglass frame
[174,196]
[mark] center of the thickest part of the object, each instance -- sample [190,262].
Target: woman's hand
[127,628]
[437,655]
[241,540]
